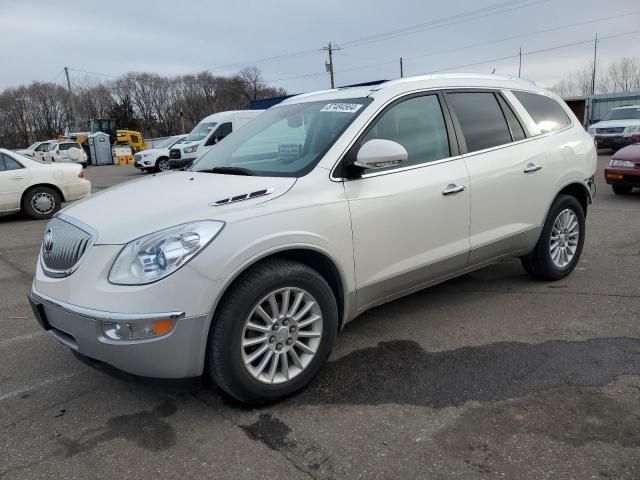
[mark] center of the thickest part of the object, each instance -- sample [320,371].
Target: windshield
[200,131]
[284,141]
[623,114]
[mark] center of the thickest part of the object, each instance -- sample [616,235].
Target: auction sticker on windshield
[341,107]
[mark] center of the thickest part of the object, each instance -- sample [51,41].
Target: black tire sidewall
[563,202]
[28,209]
[224,345]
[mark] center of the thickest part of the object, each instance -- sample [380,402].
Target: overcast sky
[174,37]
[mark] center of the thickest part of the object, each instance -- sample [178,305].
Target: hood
[133,209]
[183,145]
[630,153]
[627,122]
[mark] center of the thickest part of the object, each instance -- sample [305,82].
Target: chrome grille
[63,247]
[610,130]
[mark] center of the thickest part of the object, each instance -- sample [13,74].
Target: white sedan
[38,188]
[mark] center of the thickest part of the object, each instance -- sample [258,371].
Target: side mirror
[379,153]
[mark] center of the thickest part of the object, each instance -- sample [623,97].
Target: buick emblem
[47,244]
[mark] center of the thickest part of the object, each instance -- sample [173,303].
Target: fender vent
[242,196]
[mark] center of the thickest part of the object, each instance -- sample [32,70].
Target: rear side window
[517,132]
[481,119]
[418,125]
[67,146]
[8,163]
[545,111]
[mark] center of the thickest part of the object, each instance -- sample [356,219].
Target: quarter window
[482,122]
[545,111]
[418,125]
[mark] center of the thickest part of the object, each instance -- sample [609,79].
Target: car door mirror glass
[380,153]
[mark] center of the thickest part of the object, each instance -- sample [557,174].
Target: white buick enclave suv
[248,264]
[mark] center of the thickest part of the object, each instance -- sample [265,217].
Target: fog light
[137,329]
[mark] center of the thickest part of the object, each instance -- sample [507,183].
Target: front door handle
[17,177]
[532,167]
[453,189]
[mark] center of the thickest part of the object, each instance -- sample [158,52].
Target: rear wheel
[621,189]
[41,203]
[163,164]
[272,332]
[560,244]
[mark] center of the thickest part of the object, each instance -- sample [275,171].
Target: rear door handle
[17,177]
[532,167]
[453,189]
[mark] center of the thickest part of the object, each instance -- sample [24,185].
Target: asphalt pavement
[491,375]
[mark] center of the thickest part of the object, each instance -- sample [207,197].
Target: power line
[93,73]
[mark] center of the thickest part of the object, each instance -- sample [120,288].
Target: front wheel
[272,332]
[163,165]
[560,244]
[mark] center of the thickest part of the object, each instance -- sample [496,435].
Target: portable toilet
[100,147]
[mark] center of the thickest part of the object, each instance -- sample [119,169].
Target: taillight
[81,174]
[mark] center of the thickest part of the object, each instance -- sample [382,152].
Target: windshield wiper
[229,171]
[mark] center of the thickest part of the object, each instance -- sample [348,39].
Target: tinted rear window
[545,111]
[481,119]
[67,146]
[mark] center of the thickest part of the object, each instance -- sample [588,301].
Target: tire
[84,164]
[227,356]
[621,189]
[162,165]
[41,203]
[540,263]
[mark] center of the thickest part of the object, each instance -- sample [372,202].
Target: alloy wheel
[564,238]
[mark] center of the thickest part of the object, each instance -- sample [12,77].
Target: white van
[207,133]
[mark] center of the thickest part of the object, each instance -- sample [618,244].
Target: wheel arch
[580,192]
[308,255]
[43,184]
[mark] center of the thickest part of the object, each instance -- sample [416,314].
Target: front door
[410,222]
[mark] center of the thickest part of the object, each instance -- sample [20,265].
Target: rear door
[507,173]
[13,178]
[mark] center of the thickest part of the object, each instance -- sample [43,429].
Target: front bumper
[178,354]
[176,163]
[622,176]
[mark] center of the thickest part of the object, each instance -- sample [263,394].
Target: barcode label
[341,107]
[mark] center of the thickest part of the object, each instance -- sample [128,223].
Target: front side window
[43,147]
[284,141]
[481,119]
[545,111]
[223,130]
[418,125]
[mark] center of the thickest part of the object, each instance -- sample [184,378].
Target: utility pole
[401,68]
[520,62]
[72,101]
[595,58]
[330,48]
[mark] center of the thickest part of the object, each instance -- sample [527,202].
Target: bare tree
[625,74]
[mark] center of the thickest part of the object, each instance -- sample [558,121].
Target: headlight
[155,256]
[621,163]
[632,130]
[592,130]
[191,149]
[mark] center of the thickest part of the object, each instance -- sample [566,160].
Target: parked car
[66,152]
[38,188]
[206,134]
[623,172]
[156,159]
[321,208]
[619,128]
[37,150]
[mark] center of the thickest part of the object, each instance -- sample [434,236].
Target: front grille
[63,247]
[610,130]
[175,153]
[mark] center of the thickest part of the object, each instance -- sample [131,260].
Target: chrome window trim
[101,314]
